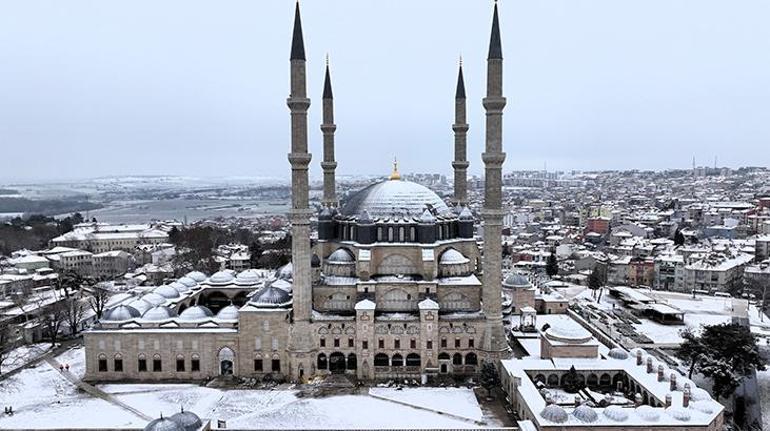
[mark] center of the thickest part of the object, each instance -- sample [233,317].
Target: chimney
[638,357]
[668,400]
[649,365]
[686,397]
[673,382]
[578,401]
[660,373]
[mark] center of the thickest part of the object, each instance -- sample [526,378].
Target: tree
[98,300]
[73,310]
[489,377]
[53,318]
[595,281]
[7,343]
[551,265]
[70,281]
[690,350]
[678,237]
[572,383]
[255,251]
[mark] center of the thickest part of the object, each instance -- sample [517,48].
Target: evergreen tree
[552,265]
[489,377]
[678,237]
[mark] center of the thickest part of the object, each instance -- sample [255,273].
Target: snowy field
[21,355]
[42,398]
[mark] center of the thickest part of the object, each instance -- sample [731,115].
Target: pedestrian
[61,368]
[67,366]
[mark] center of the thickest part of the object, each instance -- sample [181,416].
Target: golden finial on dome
[395,175]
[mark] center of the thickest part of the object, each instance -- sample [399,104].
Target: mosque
[395,287]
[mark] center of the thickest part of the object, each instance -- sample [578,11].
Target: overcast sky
[94,88]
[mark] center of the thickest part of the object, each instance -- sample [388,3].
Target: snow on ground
[669,334]
[22,355]
[75,358]
[457,401]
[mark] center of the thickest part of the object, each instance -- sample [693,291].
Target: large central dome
[395,198]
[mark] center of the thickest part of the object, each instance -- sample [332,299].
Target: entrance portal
[337,363]
[226,359]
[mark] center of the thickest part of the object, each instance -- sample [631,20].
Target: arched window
[352,361]
[321,363]
[379,233]
[413,360]
[117,362]
[553,381]
[390,233]
[353,233]
[457,359]
[605,380]
[443,356]
[539,379]
[470,359]
[157,364]
[401,234]
[102,362]
[397,361]
[412,234]
[195,363]
[141,365]
[180,363]
[592,381]
[381,360]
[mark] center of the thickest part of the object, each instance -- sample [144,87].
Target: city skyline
[204,86]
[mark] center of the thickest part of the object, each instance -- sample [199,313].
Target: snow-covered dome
[164,424]
[198,312]
[616,413]
[466,214]
[647,413]
[679,413]
[340,256]
[181,288]
[154,298]
[221,277]
[159,312]
[394,197]
[637,350]
[121,313]
[569,334]
[698,394]
[285,272]
[228,313]
[140,305]
[282,284]
[188,420]
[516,280]
[198,276]
[585,414]
[166,291]
[554,413]
[247,278]
[703,406]
[270,296]
[452,257]
[617,353]
[187,281]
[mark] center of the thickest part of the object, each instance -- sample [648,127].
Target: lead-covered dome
[554,413]
[271,297]
[228,313]
[160,312]
[395,197]
[188,420]
[340,256]
[154,298]
[198,312]
[187,281]
[140,305]
[221,278]
[121,313]
[516,280]
[164,424]
[198,276]
[166,291]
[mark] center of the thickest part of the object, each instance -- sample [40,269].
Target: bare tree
[53,318]
[7,343]
[98,300]
[74,311]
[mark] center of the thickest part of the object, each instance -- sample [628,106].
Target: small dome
[188,420]
[247,278]
[121,313]
[198,276]
[181,288]
[516,280]
[285,272]
[140,305]
[703,406]
[555,414]
[270,296]
[617,353]
[283,284]
[166,292]
[616,413]
[228,313]
[159,312]
[221,277]
[635,350]
[573,334]
[341,256]
[154,298]
[466,214]
[325,214]
[452,257]
[315,261]
[585,414]
[698,394]
[198,312]
[427,217]
[164,424]
[679,413]
[364,217]
[187,281]
[650,414]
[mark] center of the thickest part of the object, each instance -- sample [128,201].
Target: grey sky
[93,88]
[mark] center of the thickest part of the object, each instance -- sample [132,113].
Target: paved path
[428,409]
[93,390]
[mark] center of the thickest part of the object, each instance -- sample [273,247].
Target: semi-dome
[187,281]
[154,298]
[188,420]
[221,277]
[516,280]
[198,312]
[121,313]
[341,256]
[617,353]
[585,414]
[554,413]
[452,257]
[228,313]
[140,305]
[159,312]
[270,296]
[247,278]
[164,424]
[198,276]
[616,413]
[650,414]
[394,197]
[166,291]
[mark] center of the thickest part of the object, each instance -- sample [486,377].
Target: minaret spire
[460,127]
[300,342]
[494,342]
[329,165]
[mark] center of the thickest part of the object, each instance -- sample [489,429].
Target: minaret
[299,215]
[494,343]
[460,127]
[328,127]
